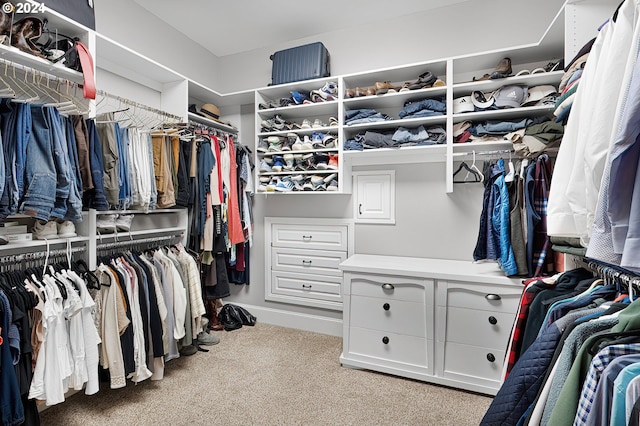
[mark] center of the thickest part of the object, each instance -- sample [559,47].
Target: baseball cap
[510,96]
[537,93]
[463,104]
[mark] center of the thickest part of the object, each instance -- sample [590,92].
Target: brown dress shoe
[383,87]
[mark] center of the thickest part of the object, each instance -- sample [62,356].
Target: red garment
[513,352]
[236,234]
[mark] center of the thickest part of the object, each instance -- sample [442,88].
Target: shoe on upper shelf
[285,185]
[278,164]
[45,230]
[66,229]
[383,87]
[106,223]
[307,144]
[123,222]
[333,162]
[263,146]
[265,167]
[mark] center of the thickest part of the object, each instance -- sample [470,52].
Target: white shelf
[327,129]
[504,114]
[302,151]
[394,124]
[13,54]
[150,211]
[396,75]
[530,80]
[41,243]
[394,100]
[124,236]
[274,93]
[318,109]
[404,155]
[211,123]
[300,172]
[470,147]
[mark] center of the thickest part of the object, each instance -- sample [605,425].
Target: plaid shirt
[515,346]
[598,364]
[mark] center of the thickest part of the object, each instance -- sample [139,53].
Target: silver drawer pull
[307,237]
[387,286]
[306,286]
[306,262]
[493,297]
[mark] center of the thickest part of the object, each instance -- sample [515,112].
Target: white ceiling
[226,27]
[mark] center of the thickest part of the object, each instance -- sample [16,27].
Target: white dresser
[441,321]
[302,258]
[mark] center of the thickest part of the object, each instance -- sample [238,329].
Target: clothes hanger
[511,174]
[474,167]
[470,172]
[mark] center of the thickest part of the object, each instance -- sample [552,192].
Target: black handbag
[58,47]
[233,317]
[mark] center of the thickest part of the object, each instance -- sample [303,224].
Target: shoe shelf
[397,76]
[302,151]
[504,114]
[274,93]
[530,80]
[15,246]
[305,131]
[394,100]
[315,110]
[300,172]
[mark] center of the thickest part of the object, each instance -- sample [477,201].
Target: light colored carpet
[269,375]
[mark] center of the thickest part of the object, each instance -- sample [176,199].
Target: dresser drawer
[399,348]
[396,316]
[473,364]
[478,328]
[391,288]
[320,287]
[479,296]
[321,262]
[320,237]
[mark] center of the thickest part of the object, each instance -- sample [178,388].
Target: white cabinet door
[375,197]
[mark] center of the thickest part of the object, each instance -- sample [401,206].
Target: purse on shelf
[59,48]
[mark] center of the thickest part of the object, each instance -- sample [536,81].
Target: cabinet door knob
[385,340]
[306,262]
[387,286]
[359,208]
[493,320]
[493,297]
[307,237]
[386,306]
[491,357]
[306,286]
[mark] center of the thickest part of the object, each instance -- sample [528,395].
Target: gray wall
[460,29]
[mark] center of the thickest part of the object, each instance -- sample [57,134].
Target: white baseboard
[307,322]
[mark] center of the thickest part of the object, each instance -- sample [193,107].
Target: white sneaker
[106,223]
[123,222]
[66,229]
[45,230]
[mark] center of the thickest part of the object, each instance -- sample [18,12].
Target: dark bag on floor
[233,317]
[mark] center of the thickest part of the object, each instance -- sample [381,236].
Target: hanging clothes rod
[214,127]
[129,243]
[138,105]
[16,258]
[477,153]
[613,274]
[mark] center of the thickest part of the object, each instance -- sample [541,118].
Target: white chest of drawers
[302,258]
[441,321]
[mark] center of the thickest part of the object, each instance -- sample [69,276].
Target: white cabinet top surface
[445,269]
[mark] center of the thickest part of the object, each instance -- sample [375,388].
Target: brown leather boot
[6,19]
